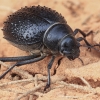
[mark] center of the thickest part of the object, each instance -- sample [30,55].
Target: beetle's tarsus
[46,87]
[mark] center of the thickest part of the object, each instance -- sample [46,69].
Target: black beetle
[43,32]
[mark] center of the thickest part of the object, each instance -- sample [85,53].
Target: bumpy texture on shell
[27,25]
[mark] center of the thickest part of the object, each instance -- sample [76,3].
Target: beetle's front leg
[49,67]
[83,38]
[82,33]
[88,45]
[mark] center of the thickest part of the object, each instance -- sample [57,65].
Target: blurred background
[76,12]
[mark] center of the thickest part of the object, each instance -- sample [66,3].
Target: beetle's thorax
[54,34]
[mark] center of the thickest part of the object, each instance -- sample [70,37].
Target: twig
[87,20]
[77,97]
[60,80]
[36,79]
[13,90]
[16,82]
[31,97]
[85,82]
[39,94]
[20,81]
[84,88]
[32,90]
[53,80]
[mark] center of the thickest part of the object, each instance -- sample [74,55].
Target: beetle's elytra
[43,32]
[27,26]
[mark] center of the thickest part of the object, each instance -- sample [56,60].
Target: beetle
[43,32]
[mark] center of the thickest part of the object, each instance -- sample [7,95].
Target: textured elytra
[28,25]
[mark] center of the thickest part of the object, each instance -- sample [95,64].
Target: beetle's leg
[23,63]
[81,38]
[20,58]
[87,43]
[84,34]
[49,67]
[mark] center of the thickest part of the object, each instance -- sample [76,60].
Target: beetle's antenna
[81,61]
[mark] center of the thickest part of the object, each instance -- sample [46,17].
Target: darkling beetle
[43,32]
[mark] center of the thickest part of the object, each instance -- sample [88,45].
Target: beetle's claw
[89,48]
[47,86]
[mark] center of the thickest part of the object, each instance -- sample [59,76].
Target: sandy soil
[71,80]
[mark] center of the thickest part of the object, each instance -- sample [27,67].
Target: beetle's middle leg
[49,67]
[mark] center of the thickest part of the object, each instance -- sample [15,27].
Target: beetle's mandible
[43,32]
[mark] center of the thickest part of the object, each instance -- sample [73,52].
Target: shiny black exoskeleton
[43,32]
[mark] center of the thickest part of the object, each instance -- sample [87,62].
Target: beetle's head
[69,47]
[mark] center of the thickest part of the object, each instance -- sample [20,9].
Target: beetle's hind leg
[20,58]
[49,67]
[20,63]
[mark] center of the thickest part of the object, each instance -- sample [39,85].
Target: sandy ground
[71,80]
